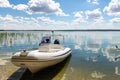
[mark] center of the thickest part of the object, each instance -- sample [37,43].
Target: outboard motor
[56,41]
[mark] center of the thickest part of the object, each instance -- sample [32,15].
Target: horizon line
[63,30]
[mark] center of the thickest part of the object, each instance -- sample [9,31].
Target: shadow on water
[55,72]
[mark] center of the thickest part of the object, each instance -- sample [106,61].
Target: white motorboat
[46,55]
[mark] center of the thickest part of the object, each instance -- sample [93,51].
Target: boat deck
[50,47]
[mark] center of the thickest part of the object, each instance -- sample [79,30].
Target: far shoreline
[70,30]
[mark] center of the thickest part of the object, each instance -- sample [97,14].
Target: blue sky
[59,14]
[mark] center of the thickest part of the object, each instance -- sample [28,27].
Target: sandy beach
[6,69]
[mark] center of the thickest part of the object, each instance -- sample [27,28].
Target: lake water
[95,54]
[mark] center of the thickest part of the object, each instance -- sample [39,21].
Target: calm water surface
[95,55]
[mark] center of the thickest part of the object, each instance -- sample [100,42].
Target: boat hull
[35,65]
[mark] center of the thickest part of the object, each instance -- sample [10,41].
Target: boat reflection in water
[55,72]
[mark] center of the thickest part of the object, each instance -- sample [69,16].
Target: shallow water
[94,54]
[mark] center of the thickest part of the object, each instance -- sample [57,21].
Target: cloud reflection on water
[117,70]
[112,53]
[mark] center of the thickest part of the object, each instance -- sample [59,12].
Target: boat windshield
[46,39]
[53,39]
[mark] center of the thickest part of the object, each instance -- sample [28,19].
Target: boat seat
[49,47]
[44,48]
[55,46]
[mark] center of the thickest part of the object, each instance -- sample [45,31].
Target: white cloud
[30,23]
[78,14]
[45,6]
[88,0]
[45,19]
[95,14]
[51,24]
[8,18]
[20,7]
[5,3]
[113,9]
[95,2]
[115,20]
[41,7]
[18,23]
[79,17]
